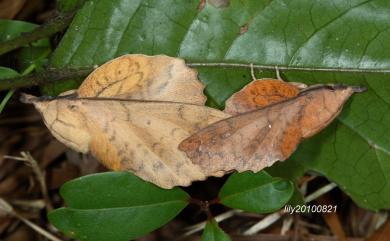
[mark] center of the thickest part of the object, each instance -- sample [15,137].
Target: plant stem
[6,99]
[28,70]
[49,76]
[54,75]
[289,68]
[53,26]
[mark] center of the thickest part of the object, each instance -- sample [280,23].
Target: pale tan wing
[137,76]
[257,139]
[143,137]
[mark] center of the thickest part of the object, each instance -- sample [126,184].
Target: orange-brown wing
[260,93]
[249,141]
[257,139]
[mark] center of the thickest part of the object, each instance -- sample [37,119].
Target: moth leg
[253,72]
[300,86]
[277,73]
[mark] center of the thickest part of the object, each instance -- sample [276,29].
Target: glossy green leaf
[256,192]
[10,29]
[212,232]
[6,73]
[69,5]
[346,158]
[299,33]
[115,206]
[37,56]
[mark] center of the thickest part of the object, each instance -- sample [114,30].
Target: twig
[296,228]
[264,223]
[37,204]
[199,226]
[287,223]
[319,192]
[53,26]
[48,76]
[8,209]
[26,156]
[54,75]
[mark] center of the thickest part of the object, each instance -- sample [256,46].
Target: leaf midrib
[129,207]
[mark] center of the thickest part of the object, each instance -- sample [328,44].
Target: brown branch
[26,157]
[51,27]
[48,76]
[6,208]
[54,75]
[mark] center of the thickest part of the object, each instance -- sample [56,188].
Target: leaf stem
[48,76]
[53,26]
[289,68]
[6,99]
[54,75]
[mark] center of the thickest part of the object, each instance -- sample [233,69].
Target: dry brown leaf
[260,93]
[256,139]
[137,76]
[141,135]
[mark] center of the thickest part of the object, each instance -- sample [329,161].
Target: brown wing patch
[256,139]
[258,94]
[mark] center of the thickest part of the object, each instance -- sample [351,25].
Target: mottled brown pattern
[260,93]
[291,138]
[144,142]
[137,76]
[258,138]
[142,134]
[131,113]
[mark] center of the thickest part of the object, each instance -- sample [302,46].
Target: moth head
[65,119]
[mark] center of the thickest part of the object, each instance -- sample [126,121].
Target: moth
[259,136]
[146,115]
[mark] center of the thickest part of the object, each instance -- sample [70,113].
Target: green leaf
[297,33]
[346,158]
[297,198]
[10,29]
[214,233]
[256,192]
[6,73]
[37,56]
[115,206]
[69,5]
